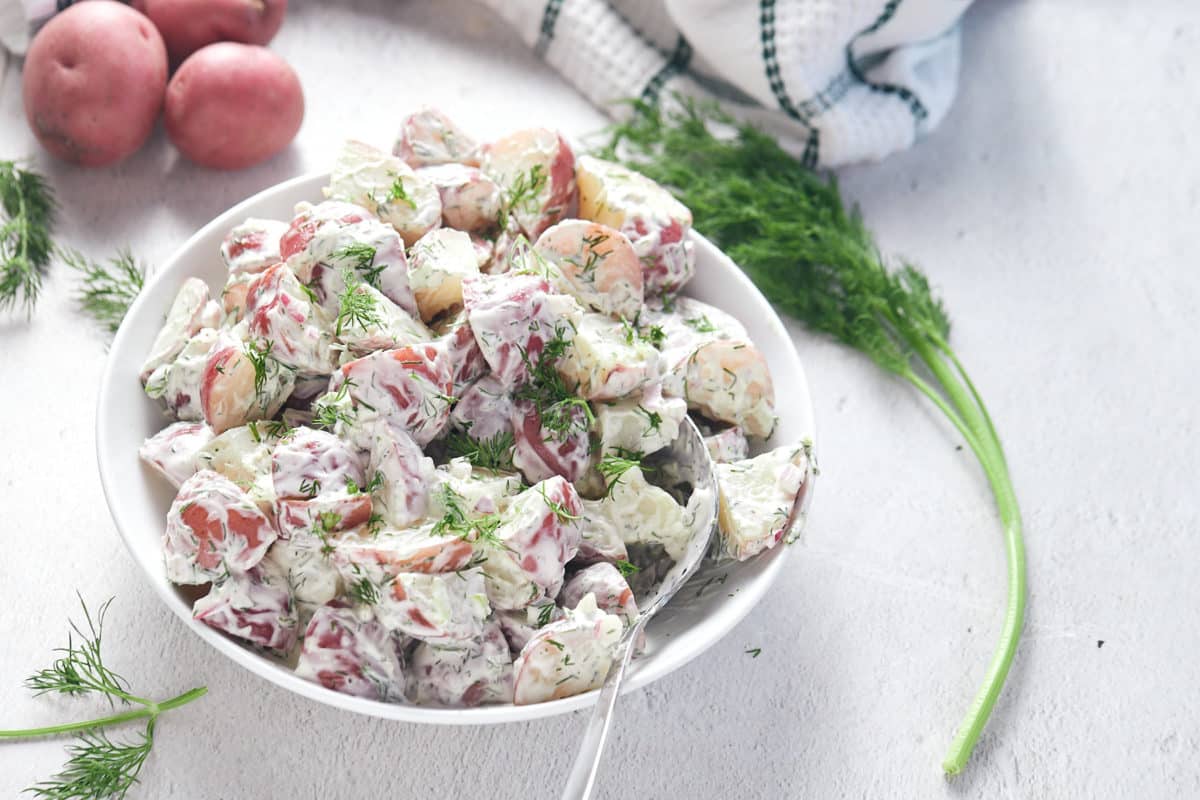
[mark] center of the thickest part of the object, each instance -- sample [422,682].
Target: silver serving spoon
[690,457]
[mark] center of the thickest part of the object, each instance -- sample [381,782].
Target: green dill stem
[149,709]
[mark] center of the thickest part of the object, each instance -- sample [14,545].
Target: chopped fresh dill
[397,193]
[495,453]
[522,196]
[754,652]
[562,412]
[561,513]
[614,465]
[545,614]
[356,306]
[702,324]
[654,420]
[329,410]
[627,568]
[364,591]
[362,259]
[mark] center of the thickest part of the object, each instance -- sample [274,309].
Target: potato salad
[419,435]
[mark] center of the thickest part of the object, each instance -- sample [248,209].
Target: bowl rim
[272,671]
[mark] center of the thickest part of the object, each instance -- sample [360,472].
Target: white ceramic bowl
[139,499]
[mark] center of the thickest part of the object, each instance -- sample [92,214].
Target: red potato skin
[93,99]
[233,105]
[188,25]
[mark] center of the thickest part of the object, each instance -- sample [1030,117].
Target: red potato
[540,453]
[188,25]
[596,265]
[348,655]
[93,83]
[535,168]
[213,528]
[410,386]
[252,607]
[233,105]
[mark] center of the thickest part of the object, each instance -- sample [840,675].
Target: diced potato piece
[568,657]
[177,384]
[255,607]
[311,575]
[644,513]
[351,654]
[282,315]
[213,529]
[644,424]
[656,223]
[759,497]
[607,585]
[446,609]
[184,320]
[728,380]
[689,325]
[470,200]
[607,360]
[429,137]
[440,261]
[404,473]
[547,444]
[310,462]
[374,322]
[326,239]
[387,187]
[484,410]
[466,359]
[601,540]
[233,295]
[242,381]
[513,318]
[521,625]
[535,168]
[253,245]
[243,455]
[173,450]
[315,522]
[478,491]
[727,444]
[383,556]
[596,265]
[463,677]
[539,534]
[408,386]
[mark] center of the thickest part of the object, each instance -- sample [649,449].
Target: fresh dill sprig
[329,410]
[559,508]
[522,196]
[545,614]
[790,231]
[97,766]
[25,230]
[259,356]
[397,193]
[362,259]
[562,412]
[495,453]
[108,288]
[614,465]
[627,568]
[456,522]
[364,591]
[355,306]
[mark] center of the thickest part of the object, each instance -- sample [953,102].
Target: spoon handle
[582,779]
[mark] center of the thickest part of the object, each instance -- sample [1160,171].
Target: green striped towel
[837,81]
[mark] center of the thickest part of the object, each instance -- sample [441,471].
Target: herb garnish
[522,196]
[754,652]
[627,568]
[495,453]
[562,412]
[328,411]
[455,522]
[97,767]
[25,245]
[109,288]
[614,465]
[365,592]
[362,258]
[356,305]
[790,230]
[397,192]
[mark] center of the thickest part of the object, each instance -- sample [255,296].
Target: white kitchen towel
[837,81]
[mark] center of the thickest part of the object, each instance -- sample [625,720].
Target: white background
[1056,211]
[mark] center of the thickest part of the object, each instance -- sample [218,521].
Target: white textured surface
[1055,209]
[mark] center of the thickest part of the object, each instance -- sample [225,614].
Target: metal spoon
[690,457]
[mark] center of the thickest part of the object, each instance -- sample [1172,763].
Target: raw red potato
[173,450]
[388,188]
[601,540]
[242,382]
[213,529]
[759,498]
[253,245]
[512,318]
[484,409]
[178,384]
[409,386]
[656,223]
[447,610]
[428,137]
[282,315]
[93,82]
[252,607]
[470,200]
[567,657]
[596,265]
[540,453]
[188,25]
[404,473]
[466,359]
[607,585]
[310,462]
[535,168]
[608,360]
[349,654]
[189,313]
[463,678]
[440,261]
[728,381]
[333,236]
[540,533]
[231,105]
[391,552]
[521,625]
[645,423]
